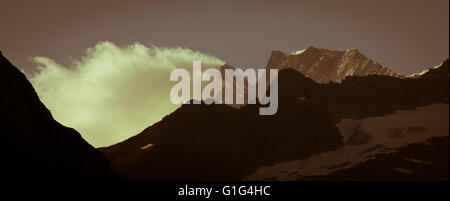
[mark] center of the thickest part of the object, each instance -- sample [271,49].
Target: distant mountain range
[323,65]
[217,142]
[320,92]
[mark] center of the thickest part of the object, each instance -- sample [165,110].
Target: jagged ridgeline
[218,142]
[214,142]
[323,65]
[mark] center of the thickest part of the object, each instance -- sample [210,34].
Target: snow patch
[297,52]
[302,98]
[146,146]
[387,132]
[403,170]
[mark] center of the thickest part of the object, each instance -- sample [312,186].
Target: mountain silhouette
[218,142]
[35,145]
[221,142]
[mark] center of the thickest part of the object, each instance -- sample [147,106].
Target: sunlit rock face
[323,65]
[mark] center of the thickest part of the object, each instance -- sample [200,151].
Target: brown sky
[405,35]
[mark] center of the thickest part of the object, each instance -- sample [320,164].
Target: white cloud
[113,92]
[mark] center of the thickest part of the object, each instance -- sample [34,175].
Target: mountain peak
[324,65]
[307,49]
[277,53]
[277,57]
[352,50]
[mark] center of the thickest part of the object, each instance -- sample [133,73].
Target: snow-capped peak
[323,65]
[297,52]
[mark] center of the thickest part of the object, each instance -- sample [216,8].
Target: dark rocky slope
[423,161]
[217,142]
[34,145]
[372,95]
